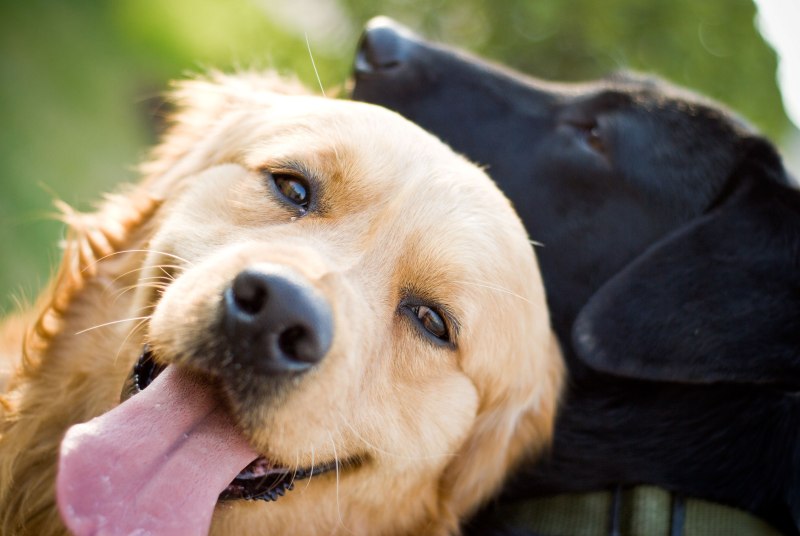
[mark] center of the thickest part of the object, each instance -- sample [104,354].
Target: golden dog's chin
[262,479]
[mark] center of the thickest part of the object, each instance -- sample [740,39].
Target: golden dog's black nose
[276,322]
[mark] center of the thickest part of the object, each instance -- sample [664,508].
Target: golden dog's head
[362,302]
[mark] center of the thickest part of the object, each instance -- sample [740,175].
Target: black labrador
[670,236]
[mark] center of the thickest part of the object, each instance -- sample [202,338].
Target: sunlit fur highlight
[439,428]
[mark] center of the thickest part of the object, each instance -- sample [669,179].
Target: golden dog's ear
[519,394]
[116,227]
[124,222]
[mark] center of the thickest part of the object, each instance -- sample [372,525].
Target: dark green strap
[638,511]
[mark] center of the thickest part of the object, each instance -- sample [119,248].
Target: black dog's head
[670,237]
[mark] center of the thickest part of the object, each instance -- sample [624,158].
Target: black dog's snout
[382,46]
[276,322]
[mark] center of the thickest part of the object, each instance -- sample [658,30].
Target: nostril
[249,292]
[297,344]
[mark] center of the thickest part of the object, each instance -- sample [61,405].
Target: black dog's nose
[276,322]
[383,45]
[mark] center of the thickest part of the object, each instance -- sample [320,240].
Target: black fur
[671,260]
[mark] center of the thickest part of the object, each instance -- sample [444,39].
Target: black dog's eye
[295,189]
[594,139]
[432,321]
[590,133]
[593,136]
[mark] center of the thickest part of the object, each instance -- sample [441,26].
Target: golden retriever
[345,309]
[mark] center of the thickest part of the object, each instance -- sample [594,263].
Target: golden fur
[439,428]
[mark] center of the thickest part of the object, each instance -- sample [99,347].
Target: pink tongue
[154,465]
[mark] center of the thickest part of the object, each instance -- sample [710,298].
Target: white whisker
[142,268]
[172,255]
[312,467]
[128,336]
[112,323]
[145,282]
[495,287]
[296,468]
[388,453]
[154,279]
[166,273]
[314,65]
[124,290]
[336,463]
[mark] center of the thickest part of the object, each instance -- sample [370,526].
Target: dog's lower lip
[260,480]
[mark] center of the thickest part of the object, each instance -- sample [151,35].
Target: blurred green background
[81,82]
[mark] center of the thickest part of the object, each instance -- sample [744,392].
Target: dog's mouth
[261,479]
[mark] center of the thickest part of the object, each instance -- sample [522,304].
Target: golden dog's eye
[431,321]
[295,189]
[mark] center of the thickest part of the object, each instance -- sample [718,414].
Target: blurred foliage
[81,81]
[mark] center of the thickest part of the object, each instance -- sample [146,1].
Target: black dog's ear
[717,300]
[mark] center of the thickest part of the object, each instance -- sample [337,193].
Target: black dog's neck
[610,430]
[602,442]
